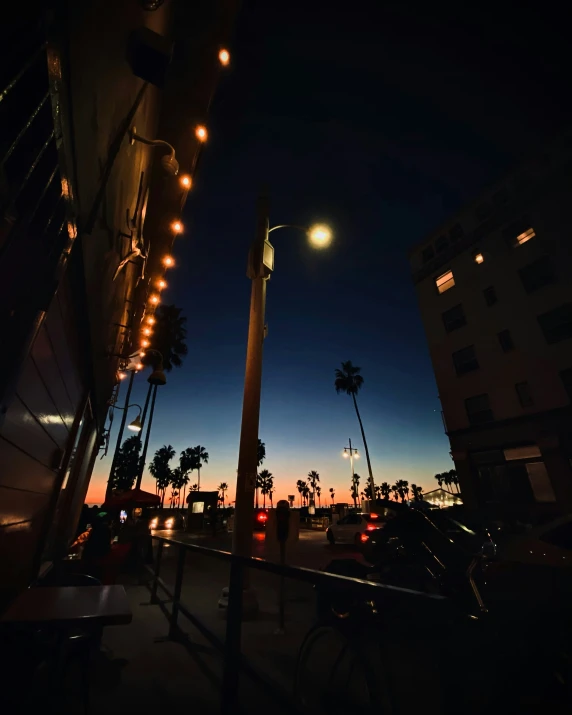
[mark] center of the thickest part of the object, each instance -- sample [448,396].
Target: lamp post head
[320,236]
[157,377]
[135,426]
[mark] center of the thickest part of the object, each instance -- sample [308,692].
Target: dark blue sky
[380,123]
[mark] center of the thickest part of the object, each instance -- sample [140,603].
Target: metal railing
[233,659]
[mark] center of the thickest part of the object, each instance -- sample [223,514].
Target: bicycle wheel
[339,672]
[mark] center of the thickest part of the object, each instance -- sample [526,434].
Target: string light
[161,284]
[145,343]
[168,261]
[147,331]
[154,299]
[224,57]
[186,181]
[139,366]
[201,133]
[121,375]
[141,353]
[177,227]
[151,320]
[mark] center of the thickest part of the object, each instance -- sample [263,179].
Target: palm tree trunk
[199,482]
[256,494]
[264,496]
[371,482]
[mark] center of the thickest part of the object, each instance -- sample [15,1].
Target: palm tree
[318,494]
[261,456]
[332,494]
[169,335]
[186,465]
[266,480]
[354,489]
[417,492]
[271,491]
[402,488]
[313,478]
[223,488]
[305,493]
[395,491]
[385,490]
[200,457]
[177,483]
[194,488]
[126,464]
[349,380]
[300,486]
[454,479]
[439,478]
[160,469]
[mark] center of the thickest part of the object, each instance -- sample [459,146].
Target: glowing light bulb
[320,236]
[186,181]
[344,453]
[201,133]
[121,375]
[139,366]
[141,353]
[169,261]
[151,320]
[161,284]
[147,331]
[479,258]
[154,299]
[177,227]
[224,57]
[145,343]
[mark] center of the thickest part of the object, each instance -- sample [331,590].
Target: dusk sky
[381,124]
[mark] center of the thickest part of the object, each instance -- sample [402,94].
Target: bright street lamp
[352,453]
[260,267]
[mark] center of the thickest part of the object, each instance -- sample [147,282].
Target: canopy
[133,497]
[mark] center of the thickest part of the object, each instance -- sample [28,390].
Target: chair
[79,644]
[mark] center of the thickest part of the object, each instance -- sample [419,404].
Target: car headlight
[169,523]
[153,524]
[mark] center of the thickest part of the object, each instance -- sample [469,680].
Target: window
[540,482]
[524,396]
[525,236]
[456,233]
[441,244]
[478,409]
[454,318]
[537,274]
[518,232]
[566,377]
[490,295]
[483,212]
[445,281]
[557,324]
[428,254]
[505,341]
[465,360]
[478,258]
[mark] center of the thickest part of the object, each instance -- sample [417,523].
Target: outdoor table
[64,606]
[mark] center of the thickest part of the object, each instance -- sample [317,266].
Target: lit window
[525,236]
[445,282]
[479,258]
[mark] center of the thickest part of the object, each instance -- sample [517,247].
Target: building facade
[495,292]
[88,219]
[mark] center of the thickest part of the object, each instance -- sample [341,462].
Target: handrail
[234,659]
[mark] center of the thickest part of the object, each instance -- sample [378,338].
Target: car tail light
[363,538]
[262,517]
[369,527]
[374,516]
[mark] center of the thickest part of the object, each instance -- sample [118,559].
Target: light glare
[320,236]
[186,181]
[177,226]
[168,261]
[224,57]
[201,133]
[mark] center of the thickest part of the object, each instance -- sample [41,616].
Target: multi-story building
[495,291]
[88,219]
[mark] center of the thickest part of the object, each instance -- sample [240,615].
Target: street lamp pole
[119,437]
[156,378]
[260,267]
[259,271]
[350,452]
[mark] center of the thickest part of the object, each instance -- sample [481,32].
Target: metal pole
[156,575]
[119,436]
[248,450]
[231,672]
[144,455]
[173,628]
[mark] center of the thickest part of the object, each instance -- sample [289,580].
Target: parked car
[350,528]
[168,520]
